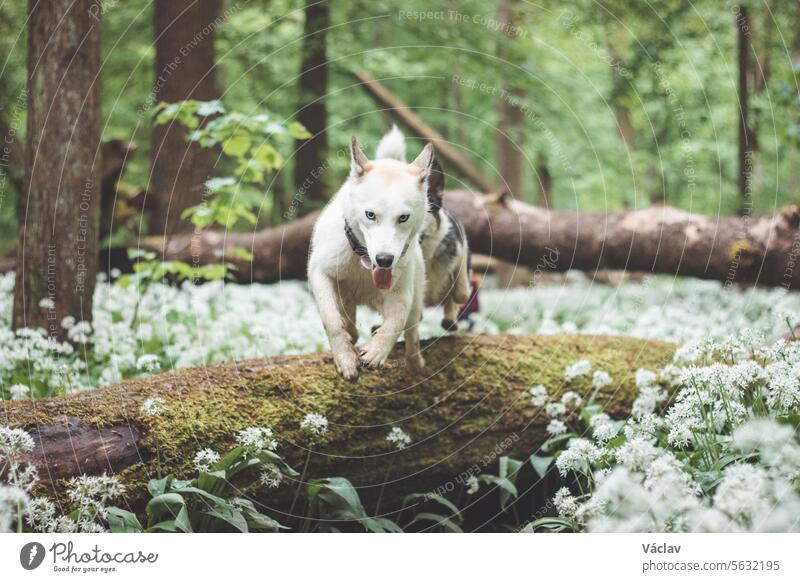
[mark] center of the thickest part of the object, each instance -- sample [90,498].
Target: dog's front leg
[344,355]
[395,313]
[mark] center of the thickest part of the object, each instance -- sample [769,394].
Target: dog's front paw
[374,354]
[346,362]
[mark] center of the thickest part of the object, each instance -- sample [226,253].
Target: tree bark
[472,398]
[59,210]
[510,118]
[734,250]
[746,143]
[184,69]
[309,165]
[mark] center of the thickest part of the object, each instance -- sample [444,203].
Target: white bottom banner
[379,558]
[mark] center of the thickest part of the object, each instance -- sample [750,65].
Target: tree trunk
[309,165]
[510,118]
[748,250]
[59,210]
[473,399]
[184,69]
[746,146]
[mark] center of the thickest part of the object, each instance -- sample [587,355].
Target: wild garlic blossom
[398,437]
[154,406]
[556,427]
[600,379]
[257,439]
[732,398]
[204,459]
[576,370]
[473,485]
[538,395]
[271,476]
[315,425]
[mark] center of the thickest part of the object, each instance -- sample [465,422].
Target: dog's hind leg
[450,319]
[461,286]
[344,354]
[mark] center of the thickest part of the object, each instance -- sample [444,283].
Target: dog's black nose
[384,260]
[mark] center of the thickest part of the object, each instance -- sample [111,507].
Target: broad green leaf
[122,521]
[541,464]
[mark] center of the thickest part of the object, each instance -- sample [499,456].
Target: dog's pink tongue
[382,278]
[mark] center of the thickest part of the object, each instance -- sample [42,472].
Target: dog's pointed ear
[424,160]
[435,186]
[359,163]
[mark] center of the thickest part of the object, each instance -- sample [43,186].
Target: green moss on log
[472,396]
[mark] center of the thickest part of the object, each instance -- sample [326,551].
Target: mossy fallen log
[472,399]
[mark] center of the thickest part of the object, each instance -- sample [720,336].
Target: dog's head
[386,204]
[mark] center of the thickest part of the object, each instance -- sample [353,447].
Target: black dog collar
[355,244]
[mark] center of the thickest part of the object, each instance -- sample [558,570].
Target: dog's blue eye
[403,218]
[370,215]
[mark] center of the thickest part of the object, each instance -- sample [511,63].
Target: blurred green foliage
[577,69]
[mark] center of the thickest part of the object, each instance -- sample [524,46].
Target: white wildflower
[577,369]
[538,395]
[256,440]
[473,485]
[399,438]
[578,457]
[571,399]
[600,379]
[14,441]
[204,459]
[315,425]
[565,503]
[555,409]
[148,363]
[19,391]
[47,303]
[556,427]
[271,476]
[154,406]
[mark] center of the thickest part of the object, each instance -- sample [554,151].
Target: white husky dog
[365,250]
[443,241]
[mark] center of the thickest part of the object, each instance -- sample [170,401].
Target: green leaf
[158,486]
[433,497]
[439,520]
[166,503]
[230,516]
[297,130]
[380,525]
[541,464]
[237,145]
[122,521]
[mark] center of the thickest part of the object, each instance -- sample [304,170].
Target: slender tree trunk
[59,210]
[184,69]
[745,155]
[545,181]
[309,167]
[510,164]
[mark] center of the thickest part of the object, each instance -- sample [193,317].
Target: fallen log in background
[662,239]
[472,398]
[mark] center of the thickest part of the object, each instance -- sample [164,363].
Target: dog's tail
[392,145]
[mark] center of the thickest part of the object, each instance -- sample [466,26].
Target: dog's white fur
[339,281]
[446,259]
